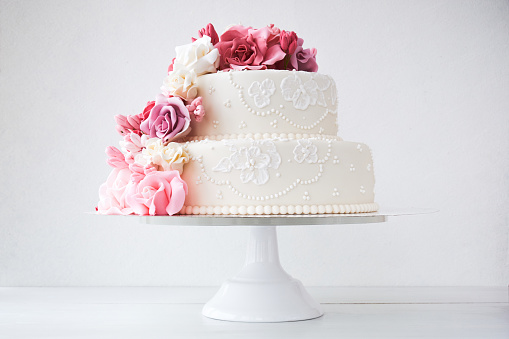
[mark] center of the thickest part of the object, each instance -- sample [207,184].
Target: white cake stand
[262,291]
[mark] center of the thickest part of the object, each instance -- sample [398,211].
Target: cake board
[262,291]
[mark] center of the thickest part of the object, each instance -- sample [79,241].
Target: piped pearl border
[259,136]
[280,209]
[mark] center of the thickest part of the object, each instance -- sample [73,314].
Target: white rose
[151,154]
[173,157]
[199,56]
[180,82]
[165,158]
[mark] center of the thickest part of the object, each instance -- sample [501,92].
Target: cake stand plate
[262,291]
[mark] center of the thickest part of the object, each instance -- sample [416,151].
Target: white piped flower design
[323,82]
[261,93]
[305,151]
[253,161]
[333,93]
[301,94]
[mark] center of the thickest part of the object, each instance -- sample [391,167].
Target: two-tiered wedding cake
[244,125]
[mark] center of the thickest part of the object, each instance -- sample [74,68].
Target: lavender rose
[303,59]
[168,120]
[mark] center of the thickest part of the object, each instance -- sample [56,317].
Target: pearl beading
[258,136]
[280,209]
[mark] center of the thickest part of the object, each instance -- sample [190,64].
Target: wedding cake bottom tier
[278,176]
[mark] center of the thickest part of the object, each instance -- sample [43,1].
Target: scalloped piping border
[279,209]
[259,136]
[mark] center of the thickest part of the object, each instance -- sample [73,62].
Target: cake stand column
[262,291]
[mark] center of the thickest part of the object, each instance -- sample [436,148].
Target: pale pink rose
[112,194]
[196,109]
[158,193]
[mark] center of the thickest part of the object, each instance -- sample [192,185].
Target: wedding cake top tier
[273,103]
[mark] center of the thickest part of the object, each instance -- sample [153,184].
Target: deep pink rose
[158,193]
[241,52]
[196,109]
[168,120]
[288,41]
[210,31]
[247,48]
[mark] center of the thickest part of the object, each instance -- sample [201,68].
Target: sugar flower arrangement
[145,179]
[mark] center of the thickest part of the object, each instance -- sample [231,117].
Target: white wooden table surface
[170,312]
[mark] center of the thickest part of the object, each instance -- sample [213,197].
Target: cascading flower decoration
[145,179]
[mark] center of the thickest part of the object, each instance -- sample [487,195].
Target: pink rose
[209,31]
[158,193]
[112,194]
[304,59]
[267,41]
[288,41]
[246,48]
[168,120]
[196,108]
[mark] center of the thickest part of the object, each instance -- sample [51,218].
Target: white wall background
[424,83]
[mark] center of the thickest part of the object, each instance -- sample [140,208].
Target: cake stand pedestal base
[262,291]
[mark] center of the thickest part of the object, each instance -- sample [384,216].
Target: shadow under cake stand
[262,291]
